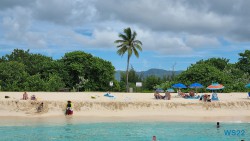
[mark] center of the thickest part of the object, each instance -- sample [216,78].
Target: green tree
[133,76]
[244,61]
[150,82]
[34,63]
[12,76]
[204,74]
[128,44]
[35,83]
[85,72]
[219,63]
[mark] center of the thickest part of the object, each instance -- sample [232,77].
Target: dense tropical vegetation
[80,71]
[76,71]
[233,76]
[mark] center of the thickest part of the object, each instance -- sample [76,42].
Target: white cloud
[164,26]
[196,41]
[16,28]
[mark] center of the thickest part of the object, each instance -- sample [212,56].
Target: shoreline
[58,120]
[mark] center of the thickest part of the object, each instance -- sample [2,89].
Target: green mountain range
[155,72]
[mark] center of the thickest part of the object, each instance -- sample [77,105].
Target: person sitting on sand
[184,95]
[208,98]
[205,97]
[33,97]
[25,96]
[158,96]
[191,93]
[167,96]
[40,108]
[69,110]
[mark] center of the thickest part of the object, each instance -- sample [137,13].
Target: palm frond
[127,31]
[136,53]
[134,36]
[138,42]
[121,45]
[138,47]
[122,51]
[124,37]
[119,41]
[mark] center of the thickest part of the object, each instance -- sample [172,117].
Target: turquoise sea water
[40,130]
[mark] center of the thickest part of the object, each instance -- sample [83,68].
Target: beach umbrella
[179,85]
[248,85]
[196,86]
[170,90]
[215,86]
[159,90]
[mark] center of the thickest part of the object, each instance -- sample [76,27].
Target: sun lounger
[248,95]
[192,97]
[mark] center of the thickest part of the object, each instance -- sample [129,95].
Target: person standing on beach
[25,96]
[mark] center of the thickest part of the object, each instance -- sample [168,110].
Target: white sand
[127,106]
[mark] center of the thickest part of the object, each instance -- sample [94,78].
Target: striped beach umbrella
[215,86]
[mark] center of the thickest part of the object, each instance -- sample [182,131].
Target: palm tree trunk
[127,73]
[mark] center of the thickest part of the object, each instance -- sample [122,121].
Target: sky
[174,33]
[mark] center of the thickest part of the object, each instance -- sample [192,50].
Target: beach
[94,106]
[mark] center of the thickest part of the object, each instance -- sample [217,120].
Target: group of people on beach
[69,106]
[191,95]
[26,97]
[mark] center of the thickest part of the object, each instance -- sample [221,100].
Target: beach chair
[248,95]
[215,97]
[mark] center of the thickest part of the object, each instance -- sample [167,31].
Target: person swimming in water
[218,125]
[154,138]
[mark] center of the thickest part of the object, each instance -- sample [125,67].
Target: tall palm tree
[129,44]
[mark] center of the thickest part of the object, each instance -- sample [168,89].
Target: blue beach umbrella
[179,85]
[248,85]
[196,86]
[159,90]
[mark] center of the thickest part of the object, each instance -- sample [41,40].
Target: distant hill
[155,72]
